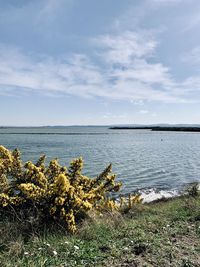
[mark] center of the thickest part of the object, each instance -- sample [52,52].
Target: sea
[156,164]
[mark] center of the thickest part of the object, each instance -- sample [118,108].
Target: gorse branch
[53,191]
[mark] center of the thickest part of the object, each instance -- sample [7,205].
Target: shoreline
[159,128]
[154,195]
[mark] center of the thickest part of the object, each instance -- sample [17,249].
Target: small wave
[153,194]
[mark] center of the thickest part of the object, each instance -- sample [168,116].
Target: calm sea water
[140,158]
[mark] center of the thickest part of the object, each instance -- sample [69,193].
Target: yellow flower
[62,192]
[59,201]
[4,200]
[52,210]
[61,184]
[87,205]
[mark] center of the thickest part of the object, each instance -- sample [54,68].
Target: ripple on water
[140,159]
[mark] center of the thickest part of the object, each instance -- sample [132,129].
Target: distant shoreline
[159,128]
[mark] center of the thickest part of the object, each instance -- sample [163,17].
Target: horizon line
[94,125]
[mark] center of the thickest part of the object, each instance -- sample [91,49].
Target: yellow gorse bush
[54,190]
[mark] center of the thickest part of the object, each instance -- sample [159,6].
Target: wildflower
[55,253]
[55,190]
[52,210]
[4,200]
[59,201]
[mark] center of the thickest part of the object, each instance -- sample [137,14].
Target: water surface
[140,158]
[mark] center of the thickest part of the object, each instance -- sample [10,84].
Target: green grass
[161,234]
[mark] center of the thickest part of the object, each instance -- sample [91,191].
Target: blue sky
[66,62]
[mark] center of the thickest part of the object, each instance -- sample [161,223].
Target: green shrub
[54,192]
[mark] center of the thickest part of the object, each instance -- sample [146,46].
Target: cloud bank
[126,72]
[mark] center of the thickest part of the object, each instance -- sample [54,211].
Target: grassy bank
[161,234]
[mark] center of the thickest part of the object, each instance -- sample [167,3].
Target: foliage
[164,233]
[193,189]
[53,191]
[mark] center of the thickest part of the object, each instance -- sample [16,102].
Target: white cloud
[191,84]
[143,111]
[109,115]
[137,102]
[122,49]
[127,72]
[145,72]
[48,75]
[165,1]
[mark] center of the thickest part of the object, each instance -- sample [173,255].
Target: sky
[99,62]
